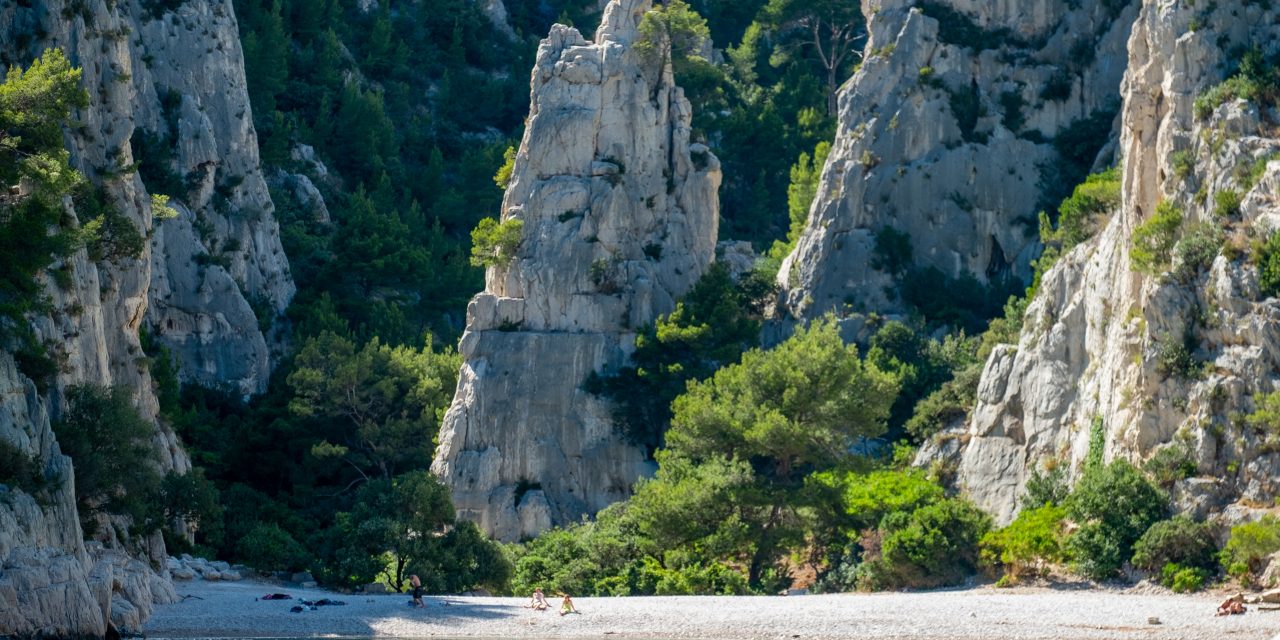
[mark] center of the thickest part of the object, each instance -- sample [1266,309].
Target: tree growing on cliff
[833,28]
[35,175]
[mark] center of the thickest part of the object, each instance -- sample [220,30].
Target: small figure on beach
[566,605]
[538,602]
[1232,606]
[416,583]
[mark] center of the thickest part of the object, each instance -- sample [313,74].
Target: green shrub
[20,470]
[1154,239]
[1079,215]
[934,546]
[1267,256]
[1114,505]
[1170,464]
[1028,545]
[893,251]
[1179,541]
[1183,579]
[494,244]
[1266,417]
[868,498]
[111,448]
[1174,359]
[1257,80]
[1249,546]
[503,177]
[267,547]
[1046,489]
[1196,251]
[1226,203]
[1184,162]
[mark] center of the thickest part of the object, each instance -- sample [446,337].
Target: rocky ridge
[1094,355]
[620,213]
[146,68]
[945,133]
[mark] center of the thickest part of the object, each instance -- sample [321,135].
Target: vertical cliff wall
[620,213]
[173,69]
[1096,352]
[946,134]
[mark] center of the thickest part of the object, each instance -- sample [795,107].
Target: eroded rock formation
[1098,340]
[176,73]
[945,133]
[620,213]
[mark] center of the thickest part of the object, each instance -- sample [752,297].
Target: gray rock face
[51,585]
[219,274]
[146,70]
[1091,345]
[620,215]
[950,144]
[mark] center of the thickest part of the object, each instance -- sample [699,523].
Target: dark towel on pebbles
[277,596]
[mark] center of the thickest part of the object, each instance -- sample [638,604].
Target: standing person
[538,602]
[416,583]
[566,605]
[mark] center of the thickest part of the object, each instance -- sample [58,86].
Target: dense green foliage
[1030,545]
[1113,505]
[753,455]
[1154,239]
[1080,214]
[767,462]
[1180,541]
[710,328]
[1250,545]
[1256,80]
[1268,258]
[34,106]
[493,243]
[110,445]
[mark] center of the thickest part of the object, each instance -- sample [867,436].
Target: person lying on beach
[416,583]
[538,602]
[1232,606]
[566,605]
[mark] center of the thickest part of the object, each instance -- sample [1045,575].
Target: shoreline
[228,610]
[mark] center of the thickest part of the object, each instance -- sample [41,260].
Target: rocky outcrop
[220,277]
[619,212]
[1100,351]
[51,584]
[945,133]
[175,73]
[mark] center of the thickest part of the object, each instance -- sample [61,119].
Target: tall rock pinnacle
[620,214]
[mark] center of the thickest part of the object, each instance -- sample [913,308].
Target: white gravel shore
[229,610]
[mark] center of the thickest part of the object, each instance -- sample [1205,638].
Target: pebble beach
[229,610]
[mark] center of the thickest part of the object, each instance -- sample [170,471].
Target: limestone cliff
[220,277]
[945,133]
[620,213]
[1100,339]
[178,72]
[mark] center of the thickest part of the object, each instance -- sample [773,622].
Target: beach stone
[308,585]
[231,576]
[211,574]
[1270,576]
[182,573]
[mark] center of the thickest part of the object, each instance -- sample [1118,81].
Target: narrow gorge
[634,298]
